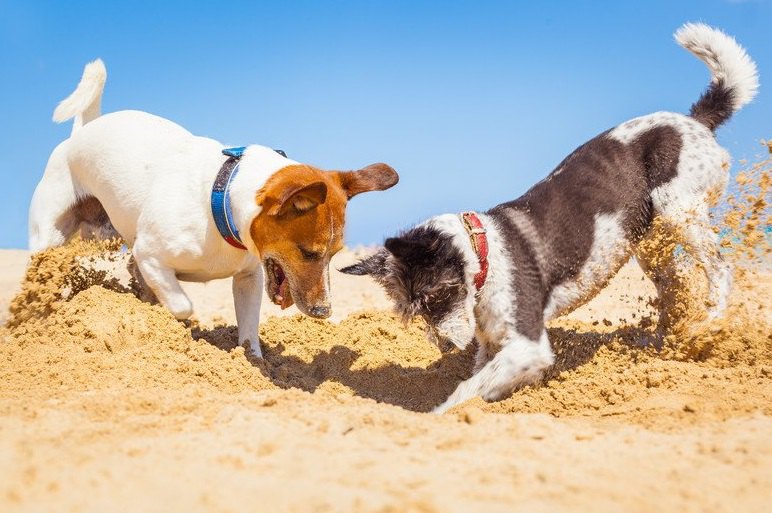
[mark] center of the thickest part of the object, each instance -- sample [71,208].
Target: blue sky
[471,102]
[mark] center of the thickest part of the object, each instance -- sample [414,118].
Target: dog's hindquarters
[52,219]
[58,210]
[59,207]
[681,205]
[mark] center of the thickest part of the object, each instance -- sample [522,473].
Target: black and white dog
[499,276]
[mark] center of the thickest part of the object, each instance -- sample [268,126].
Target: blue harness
[221,199]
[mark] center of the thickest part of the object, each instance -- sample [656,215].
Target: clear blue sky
[472,102]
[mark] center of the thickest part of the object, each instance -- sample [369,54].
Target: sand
[109,404]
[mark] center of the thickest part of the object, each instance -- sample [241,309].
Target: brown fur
[303,217]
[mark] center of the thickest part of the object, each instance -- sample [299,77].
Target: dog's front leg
[520,361]
[163,281]
[485,353]
[247,296]
[139,284]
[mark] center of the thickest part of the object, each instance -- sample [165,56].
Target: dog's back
[118,162]
[131,159]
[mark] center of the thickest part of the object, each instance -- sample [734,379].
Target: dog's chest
[223,264]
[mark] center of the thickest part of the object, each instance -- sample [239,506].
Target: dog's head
[300,227]
[424,273]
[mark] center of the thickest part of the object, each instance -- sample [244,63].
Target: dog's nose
[321,311]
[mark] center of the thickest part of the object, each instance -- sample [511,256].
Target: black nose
[321,311]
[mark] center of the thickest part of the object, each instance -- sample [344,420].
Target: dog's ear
[375,177]
[374,265]
[406,249]
[299,199]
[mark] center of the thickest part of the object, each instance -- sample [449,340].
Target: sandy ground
[108,404]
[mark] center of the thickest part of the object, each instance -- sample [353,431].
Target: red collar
[479,237]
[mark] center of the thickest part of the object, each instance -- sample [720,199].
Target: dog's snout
[321,311]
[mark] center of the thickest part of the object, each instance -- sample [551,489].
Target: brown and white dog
[155,182]
[499,276]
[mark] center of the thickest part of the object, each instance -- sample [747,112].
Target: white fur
[726,59]
[628,131]
[154,180]
[484,314]
[519,362]
[459,326]
[609,251]
[497,303]
[85,103]
[703,170]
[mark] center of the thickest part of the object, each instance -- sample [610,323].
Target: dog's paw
[254,347]
[449,403]
[441,409]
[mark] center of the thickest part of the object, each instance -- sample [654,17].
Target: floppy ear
[374,265]
[299,199]
[405,248]
[375,177]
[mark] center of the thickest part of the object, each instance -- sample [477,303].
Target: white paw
[181,308]
[716,312]
[439,410]
[449,403]
[255,348]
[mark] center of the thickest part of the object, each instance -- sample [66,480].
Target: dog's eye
[310,255]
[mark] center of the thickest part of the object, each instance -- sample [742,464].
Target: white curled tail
[734,80]
[85,103]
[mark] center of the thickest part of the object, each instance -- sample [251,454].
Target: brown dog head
[300,227]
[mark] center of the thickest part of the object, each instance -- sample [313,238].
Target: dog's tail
[85,103]
[734,77]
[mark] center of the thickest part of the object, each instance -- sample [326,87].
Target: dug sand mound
[109,403]
[80,329]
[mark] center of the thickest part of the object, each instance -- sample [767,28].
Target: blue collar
[221,198]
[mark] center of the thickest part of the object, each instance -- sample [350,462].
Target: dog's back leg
[94,222]
[703,246]
[658,261]
[677,295]
[52,218]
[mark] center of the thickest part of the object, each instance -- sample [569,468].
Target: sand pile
[59,274]
[67,333]
[70,334]
[720,370]
[717,370]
